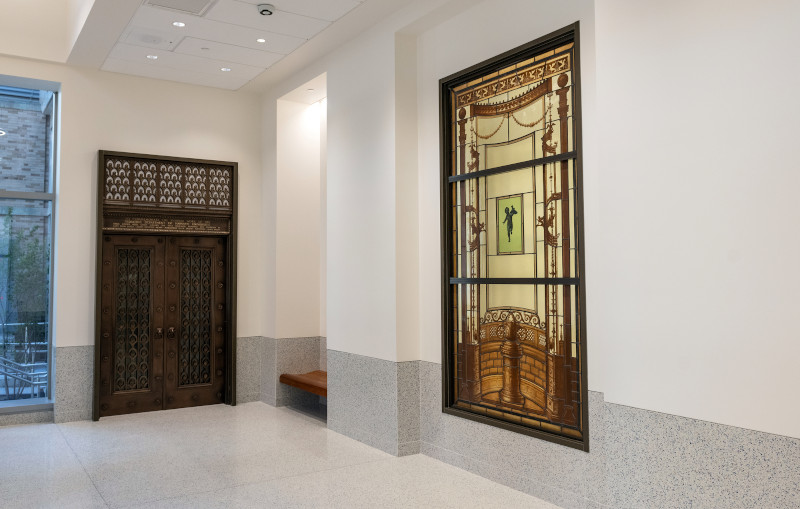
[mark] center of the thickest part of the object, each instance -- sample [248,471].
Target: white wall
[298,224]
[361,198]
[689,202]
[689,196]
[78,13]
[361,236]
[41,29]
[695,277]
[406,203]
[269,208]
[323,218]
[101,110]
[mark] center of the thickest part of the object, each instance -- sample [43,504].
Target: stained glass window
[515,351]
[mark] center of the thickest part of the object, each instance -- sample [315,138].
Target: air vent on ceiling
[196,7]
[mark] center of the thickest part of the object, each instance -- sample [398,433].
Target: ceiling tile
[190,6]
[329,10]
[163,73]
[221,34]
[182,62]
[151,38]
[245,14]
[227,52]
[248,38]
[160,20]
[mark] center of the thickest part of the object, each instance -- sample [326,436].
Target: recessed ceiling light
[152,57]
[225,69]
[2,133]
[179,24]
[261,40]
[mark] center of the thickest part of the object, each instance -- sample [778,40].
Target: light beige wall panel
[108,111]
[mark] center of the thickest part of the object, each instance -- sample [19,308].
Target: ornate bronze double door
[162,323]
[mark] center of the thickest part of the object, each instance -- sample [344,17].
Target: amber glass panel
[469,228]
[517,350]
[528,122]
[516,344]
[556,231]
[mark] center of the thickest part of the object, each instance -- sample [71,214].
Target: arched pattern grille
[196,301]
[132,335]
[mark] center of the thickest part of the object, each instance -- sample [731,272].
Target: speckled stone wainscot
[261,360]
[637,458]
[269,377]
[374,401]
[546,470]
[288,355]
[295,355]
[74,383]
[23,417]
[663,460]
[249,369]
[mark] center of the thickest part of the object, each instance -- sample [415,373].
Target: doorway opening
[166,296]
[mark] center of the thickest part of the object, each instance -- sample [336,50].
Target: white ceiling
[224,35]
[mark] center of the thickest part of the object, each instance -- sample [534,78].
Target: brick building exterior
[25,149]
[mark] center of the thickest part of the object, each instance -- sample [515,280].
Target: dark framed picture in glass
[514,328]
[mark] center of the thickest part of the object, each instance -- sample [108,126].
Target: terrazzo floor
[250,455]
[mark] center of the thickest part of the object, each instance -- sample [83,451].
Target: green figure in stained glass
[509,221]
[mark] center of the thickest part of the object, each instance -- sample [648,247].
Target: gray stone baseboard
[74,383]
[249,368]
[261,360]
[295,355]
[374,401]
[638,458]
[23,417]
[661,460]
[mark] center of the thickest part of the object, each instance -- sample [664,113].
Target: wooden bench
[315,382]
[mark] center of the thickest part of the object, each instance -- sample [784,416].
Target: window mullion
[26,195]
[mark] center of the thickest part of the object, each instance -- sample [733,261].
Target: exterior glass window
[27,160]
[514,348]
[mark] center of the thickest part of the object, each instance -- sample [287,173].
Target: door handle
[159,333]
[171,333]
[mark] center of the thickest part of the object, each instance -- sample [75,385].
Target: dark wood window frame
[569,34]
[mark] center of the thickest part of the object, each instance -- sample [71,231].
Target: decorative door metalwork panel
[196,285]
[163,315]
[195,356]
[132,331]
[167,184]
[514,349]
[131,313]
